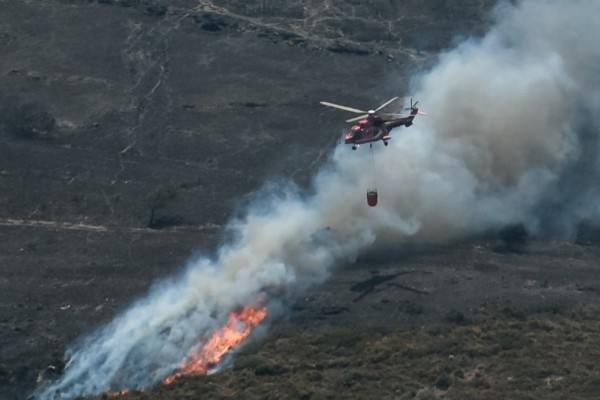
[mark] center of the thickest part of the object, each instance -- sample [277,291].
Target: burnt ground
[131,130]
[431,285]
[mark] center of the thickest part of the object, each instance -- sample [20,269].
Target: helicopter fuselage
[373,129]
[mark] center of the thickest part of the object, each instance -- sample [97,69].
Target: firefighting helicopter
[372,126]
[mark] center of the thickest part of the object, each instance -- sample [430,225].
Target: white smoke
[511,136]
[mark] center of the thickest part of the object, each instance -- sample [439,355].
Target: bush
[268,369]
[514,235]
[158,200]
[514,238]
[587,233]
[30,121]
[444,382]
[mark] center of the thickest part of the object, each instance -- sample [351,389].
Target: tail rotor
[414,110]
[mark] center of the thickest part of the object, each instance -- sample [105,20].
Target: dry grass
[499,356]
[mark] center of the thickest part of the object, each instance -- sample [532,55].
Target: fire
[239,325]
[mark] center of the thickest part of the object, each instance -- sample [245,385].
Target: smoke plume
[511,136]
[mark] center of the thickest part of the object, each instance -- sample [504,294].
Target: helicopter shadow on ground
[368,286]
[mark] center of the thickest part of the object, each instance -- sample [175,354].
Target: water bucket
[372,198]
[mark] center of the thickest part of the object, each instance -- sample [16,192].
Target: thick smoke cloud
[511,136]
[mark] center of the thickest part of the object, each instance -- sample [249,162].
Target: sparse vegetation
[498,356]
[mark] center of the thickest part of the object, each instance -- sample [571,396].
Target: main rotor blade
[386,103]
[357,118]
[354,110]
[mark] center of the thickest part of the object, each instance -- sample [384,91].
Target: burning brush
[239,325]
[203,359]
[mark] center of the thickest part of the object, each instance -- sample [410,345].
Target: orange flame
[238,327]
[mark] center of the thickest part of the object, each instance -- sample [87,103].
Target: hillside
[132,131]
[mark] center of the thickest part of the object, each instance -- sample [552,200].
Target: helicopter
[372,126]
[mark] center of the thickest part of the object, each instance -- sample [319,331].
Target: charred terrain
[131,131]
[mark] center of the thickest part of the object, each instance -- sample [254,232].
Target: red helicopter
[372,126]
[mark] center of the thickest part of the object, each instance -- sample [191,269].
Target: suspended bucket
[372,197]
